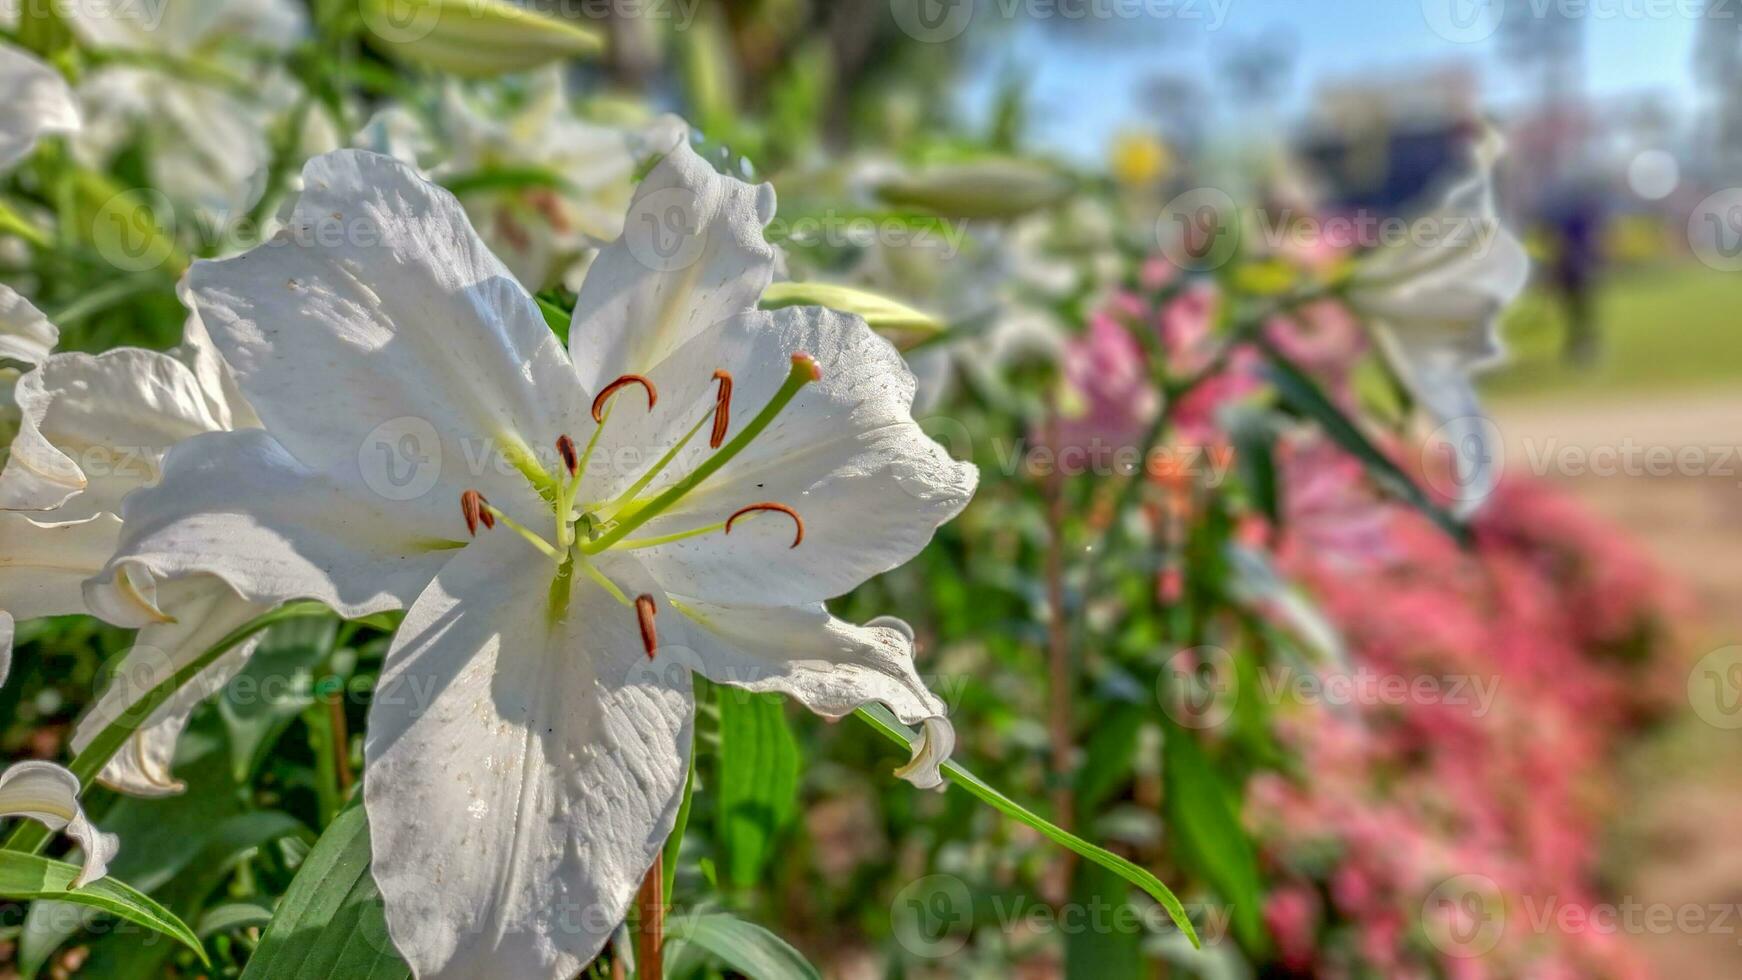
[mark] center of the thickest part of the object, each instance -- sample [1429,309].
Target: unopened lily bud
[474,38]
[990,188]
[902,325]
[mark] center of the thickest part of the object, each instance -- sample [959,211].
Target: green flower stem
[879,718]
[31,836]
[802,373]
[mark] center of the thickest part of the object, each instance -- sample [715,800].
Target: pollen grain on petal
[476,511]
[565,448]
[769,505]
[722,409]
[644,610]
[612,388]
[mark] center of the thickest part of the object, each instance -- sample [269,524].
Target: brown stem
[650,922]
[341,743]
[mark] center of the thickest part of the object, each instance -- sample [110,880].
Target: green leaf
[1109,757]
[331,922]
[1254,436]
[30,837]
[758,787]
[31,877]
[1301,393]
[274,687]
[1203,822]
[232,916]
[878,717]
[691,940]
[175,848]
[1102,950]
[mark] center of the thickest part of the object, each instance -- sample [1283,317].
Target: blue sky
[1085,75]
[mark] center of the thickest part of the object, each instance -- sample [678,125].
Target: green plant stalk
[674,843]
[879,718]
[31,836]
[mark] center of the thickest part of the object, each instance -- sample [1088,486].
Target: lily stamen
[770,505]
[565,449]
[613,387]
[644,610]
[804,371]
[476,511]
[722,409]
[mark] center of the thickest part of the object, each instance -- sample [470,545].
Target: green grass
[1665,330]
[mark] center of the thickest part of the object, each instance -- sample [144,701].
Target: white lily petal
[25,334]
[870,486]
[6,633]
[239,506]
[43,566]
[205,611]
[94,428]
[524,771]
[692,253]
[38,101]
[223,395]
[377,304]
[937,739]
[49,794]
[826,664]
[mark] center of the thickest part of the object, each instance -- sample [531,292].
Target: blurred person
[1575,218]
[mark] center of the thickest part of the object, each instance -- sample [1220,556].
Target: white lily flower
[49,794]
[1434,309]
[208,140]
[538,231]
[528,742]
[91,430]
[38,102]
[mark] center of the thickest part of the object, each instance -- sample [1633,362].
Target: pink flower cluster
[1438,835]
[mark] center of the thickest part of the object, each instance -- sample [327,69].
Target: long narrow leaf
[331,922]
[31,877]
[1304,395]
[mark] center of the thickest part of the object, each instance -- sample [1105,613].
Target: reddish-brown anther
[722,409]
[477,511]
[624,381]
[798,522]
[565,447]
[644,610]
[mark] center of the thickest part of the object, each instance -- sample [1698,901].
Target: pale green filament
[622,500]
[605,583]
[802,373]
[537,542]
